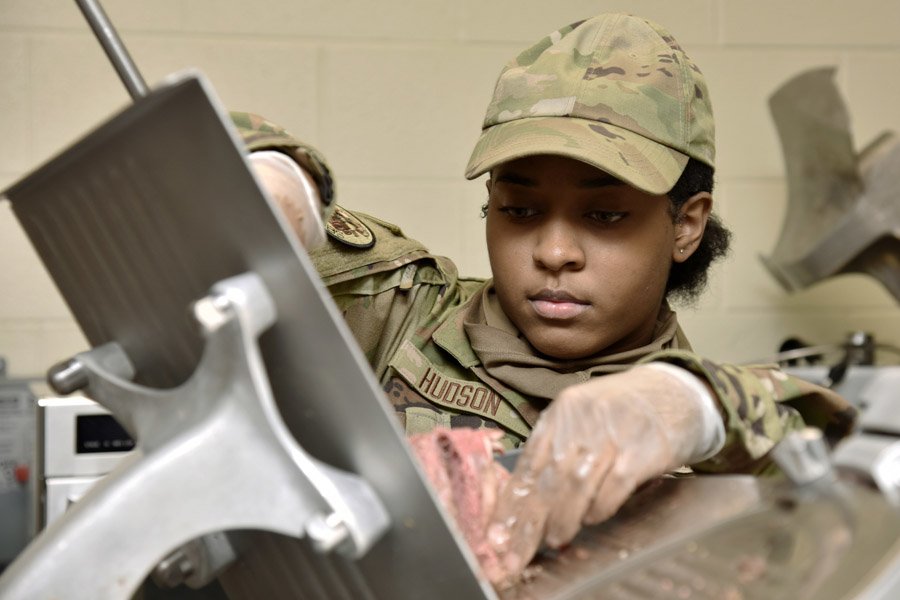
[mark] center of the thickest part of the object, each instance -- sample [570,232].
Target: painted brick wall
[393,92]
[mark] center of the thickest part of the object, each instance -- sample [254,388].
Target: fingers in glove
[518,526]
[518,523]
[578,480]
[583,453]
[631,470]
[611,495]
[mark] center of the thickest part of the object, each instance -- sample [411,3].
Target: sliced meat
[460,465]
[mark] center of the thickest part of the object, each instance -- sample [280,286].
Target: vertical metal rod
[114,48]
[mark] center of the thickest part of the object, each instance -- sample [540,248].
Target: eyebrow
[600,182]
[516,179]
[590,183]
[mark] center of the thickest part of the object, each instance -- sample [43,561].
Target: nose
[558,248]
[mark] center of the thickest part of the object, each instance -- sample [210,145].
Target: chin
[563,350]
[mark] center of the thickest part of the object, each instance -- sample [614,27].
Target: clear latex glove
[592,447]
[296,193]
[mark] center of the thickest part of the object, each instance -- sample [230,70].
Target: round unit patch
[347,229]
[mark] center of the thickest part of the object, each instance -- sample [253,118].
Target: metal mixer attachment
[843,214]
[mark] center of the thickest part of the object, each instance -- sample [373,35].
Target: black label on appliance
[100,433]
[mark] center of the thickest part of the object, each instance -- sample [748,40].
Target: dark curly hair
[688,279]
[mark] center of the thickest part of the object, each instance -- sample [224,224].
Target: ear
[487,184]
[690,225]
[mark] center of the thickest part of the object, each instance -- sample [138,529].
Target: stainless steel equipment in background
[846,367]
[17,414]
[843,213]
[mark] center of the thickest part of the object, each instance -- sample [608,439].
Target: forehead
[548,169]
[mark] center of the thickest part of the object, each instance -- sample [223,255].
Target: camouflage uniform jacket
[406,308]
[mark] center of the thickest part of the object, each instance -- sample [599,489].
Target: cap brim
[642,163]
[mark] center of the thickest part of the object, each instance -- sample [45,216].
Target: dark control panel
[100,433]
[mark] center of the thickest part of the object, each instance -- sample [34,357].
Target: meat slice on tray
[460,465]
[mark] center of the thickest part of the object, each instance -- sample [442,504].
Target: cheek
[504,248]
[633,271]
[493,245]
[658,263]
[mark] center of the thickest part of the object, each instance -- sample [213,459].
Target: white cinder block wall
[393,92]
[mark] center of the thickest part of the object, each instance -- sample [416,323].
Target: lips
[557,304]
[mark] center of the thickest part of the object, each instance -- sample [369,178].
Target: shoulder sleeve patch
[349,230]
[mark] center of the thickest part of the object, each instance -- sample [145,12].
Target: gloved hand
[295,192]
[593,446]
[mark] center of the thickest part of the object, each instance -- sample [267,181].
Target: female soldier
[599,142]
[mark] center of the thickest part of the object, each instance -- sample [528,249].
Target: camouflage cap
[615,91]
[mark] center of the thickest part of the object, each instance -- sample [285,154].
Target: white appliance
[78,443]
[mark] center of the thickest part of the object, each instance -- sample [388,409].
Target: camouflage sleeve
[260,134]
[760,405]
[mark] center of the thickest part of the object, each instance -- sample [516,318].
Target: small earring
[681,250]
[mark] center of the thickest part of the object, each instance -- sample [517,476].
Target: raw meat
[460,465]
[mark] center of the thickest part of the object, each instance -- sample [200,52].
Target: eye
[607,217]
[518,212]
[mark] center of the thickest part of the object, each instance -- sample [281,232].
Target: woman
[599,143]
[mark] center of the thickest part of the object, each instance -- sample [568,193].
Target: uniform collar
[480,333]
